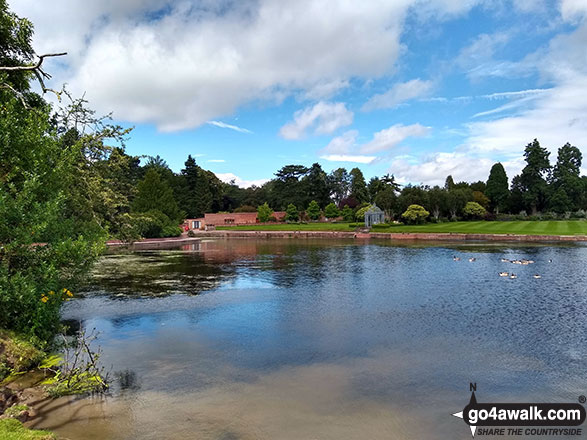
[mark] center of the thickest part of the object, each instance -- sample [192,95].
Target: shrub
[264,212]
[191,233]
[171,231]
[291,213]
[360,214]
[347,213]
[415,214]
[313,210]
[331,211]
[474,210]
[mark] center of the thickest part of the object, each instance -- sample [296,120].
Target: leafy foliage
[415,214]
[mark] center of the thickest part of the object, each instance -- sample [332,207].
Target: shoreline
[393,236]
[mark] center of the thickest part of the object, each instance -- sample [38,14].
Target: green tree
[438,201]
[339,182]
[532,180]
[347,213]
[154,194]
[264,212]
[559,201]
[313,210]
[358,187]
[456,201]
[474,210]
[497,188]
[332,211]
[566,178]
[386,200]
[291,213]
[374,187]
[415,214]
[449,183]
[481,199]
[315,186]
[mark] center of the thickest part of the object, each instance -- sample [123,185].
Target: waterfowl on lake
[550,261]
[472,259]
[512,276]
[503,274]
[517,261]
[537,276]
[505,260]
[456,259]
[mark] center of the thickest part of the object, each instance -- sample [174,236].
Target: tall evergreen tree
[339,184]
[497,188]
[533,177]
[358,186]
[316,186]
[566,178]
[154,194]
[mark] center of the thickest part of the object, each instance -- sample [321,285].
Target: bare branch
[32,66]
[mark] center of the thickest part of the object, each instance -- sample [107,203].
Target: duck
[503,274]
[456,259]
[550,261]
[472,259]
[505,260]
[537,276]
[512,276]
[516,262]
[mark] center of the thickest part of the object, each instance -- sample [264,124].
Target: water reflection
[325,339]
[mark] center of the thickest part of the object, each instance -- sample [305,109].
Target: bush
[313,211]
[415,214]
[474,210]
[191,233]
[331,211]
[264,213]
[347,213]
[291,213]
[360,214]
[171,231]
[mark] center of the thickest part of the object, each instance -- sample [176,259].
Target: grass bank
[11,429]
[555,227]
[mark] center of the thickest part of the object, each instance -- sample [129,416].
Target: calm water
[270,339]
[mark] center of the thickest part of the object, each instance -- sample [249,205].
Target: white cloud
[321,118]
[433,169]
[393,136]
[342,144]
[231,127]
[554,116]
[348,158]
[180,64]
[573,9]
[399,93]
[243,183]
[326,89]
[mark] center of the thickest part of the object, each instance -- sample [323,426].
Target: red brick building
[237,218]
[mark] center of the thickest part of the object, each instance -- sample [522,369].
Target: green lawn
[558,227]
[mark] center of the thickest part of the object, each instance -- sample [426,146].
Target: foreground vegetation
[558,227]
[11,429]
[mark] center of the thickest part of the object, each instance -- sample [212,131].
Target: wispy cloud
[398,94]
[321,118]
[229,126]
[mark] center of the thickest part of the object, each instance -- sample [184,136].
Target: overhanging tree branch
[37,70]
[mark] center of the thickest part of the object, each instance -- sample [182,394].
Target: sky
[416,88]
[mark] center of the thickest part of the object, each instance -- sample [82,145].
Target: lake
[323,339]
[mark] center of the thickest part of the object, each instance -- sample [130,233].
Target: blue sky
[420,89]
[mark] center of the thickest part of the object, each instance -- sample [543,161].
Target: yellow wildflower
[69,294]
[45,298]
[51,292]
